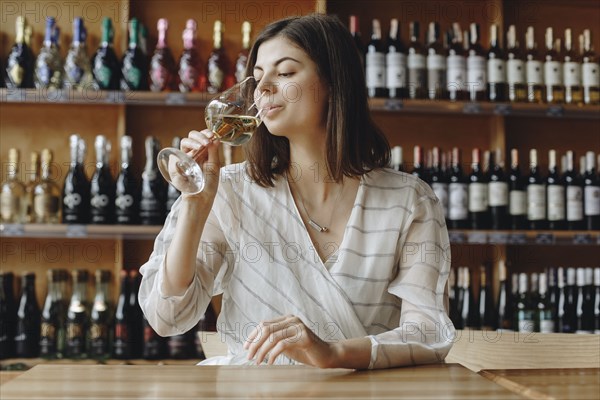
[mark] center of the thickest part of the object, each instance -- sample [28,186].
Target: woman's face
[295,98]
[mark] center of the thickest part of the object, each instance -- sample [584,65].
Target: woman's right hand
[205,152]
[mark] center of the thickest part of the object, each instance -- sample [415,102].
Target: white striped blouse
[386,281]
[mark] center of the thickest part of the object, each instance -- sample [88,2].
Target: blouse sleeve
[172,315]
[425,333]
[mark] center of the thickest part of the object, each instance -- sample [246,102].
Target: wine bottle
[27,335]
[48,65]
[418,169]
[545,311]
[77,316]
[375,63]
[162,64]
[470,310]
[99,338]
[52,332]
[172,192]
[76,189]
[218,63]
[515,68]
[536,195]
[396,159]
[137,316]
[155,347]
[452,296]
[436,64]
[476,66]
[191,70]
[572,72]
[458,194]
[479,217]
[102,188]
[590,71]
[20,62]
[553,294]
[153,189]
[354,26]
[105,64]
[8,315]
[567,304]
[555,194]
[242,58]
[396,63]
[46,194]
[417,64]
[497,192]
[553,71]
[591,193]
[574,191]
[34,180]
[505,303]
[458,320]
[486,302]
[143,40]
[597,300]
[127,190]
[12,205]
[78,68]
[585,301]
[524,315]
[439,181]
[497,88]
[456,73]
[134,67]
[122,346]
[536,91]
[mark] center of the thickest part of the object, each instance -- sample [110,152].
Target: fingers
[274,337]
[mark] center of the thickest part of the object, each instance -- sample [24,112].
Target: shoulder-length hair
[354,144]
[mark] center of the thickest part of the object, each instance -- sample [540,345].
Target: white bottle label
[553,73]
[478,197]
[396,70]
[436,61]
[591,195]
[590,74]
[441,191]
[518,202]
[526,325]
[515,71]
[375,70]
[556,203]
[457,72]
[574,203]
[546,326]
[496,70]
[535,73]
[476,68]
[572,73]
[536,202]
[458,201]
[498,194]
[436,72]
[416,61]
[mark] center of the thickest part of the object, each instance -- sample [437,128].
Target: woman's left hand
[288,335]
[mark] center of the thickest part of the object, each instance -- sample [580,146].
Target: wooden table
[570,383]
[194,382]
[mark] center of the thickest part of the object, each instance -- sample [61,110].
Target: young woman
[323,255]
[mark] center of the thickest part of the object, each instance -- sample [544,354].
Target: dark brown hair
[355,145]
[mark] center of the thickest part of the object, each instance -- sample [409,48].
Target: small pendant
[317,227]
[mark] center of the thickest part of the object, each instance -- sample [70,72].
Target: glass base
[180,170]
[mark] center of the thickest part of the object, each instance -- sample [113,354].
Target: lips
[271,108]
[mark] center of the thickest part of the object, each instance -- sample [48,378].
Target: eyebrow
[276,63]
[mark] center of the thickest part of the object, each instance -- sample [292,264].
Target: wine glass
[232,116]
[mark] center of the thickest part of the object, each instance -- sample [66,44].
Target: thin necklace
[312,222]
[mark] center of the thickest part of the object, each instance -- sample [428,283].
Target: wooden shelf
[525,237]
[19,364]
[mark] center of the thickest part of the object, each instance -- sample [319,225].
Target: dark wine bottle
[486,302]
[476,66]
[122,345]
[553,294]
[497,191]
[218,63]
[76,189]
[136,329]
[191,69]
[555,194]
[172,192]
[162,64]
[591,193]
[395,61]
[567,302]
[8,315]
[458,198]
[497,88]
[77,317]
[182,346]
[574,191]
[572,71]
[153,189]
[418,169]
[452,297]
[436,64]
[105,64]
[536,195]
[516,71]
[536,91]
[48,65]
[479,216]
[242,58]
[375,63]
[524,313]
[127,190]
[134,66]
[439,180]
[545,309]
[20,62]
[553,71]
[505,303]
[78,68]
[27,334]
[585,300]
[459,322]
[456,66]
[102,189]
[52,332]
[590,71]
[155,347]
[99,337]
[470,309]
[354,27]
[417,65]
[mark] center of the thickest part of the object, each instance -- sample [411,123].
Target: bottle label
[535,72]
[556,203]
[216,76]
[375,70]
[518,202]
[9,207]
[396,70]
[72,200]
[436,72]
[47,338]
[553,73]
[458,201]
[103,76]
[133,77]
[441,191]
[124,201]
[436,61]
[45,205]
[546,326]
[158,78]
[416,61]
[75,338]
[100,201]
[574,203]
[476,73]
[498,194]
[496,70]
[591,196]
[515,71]
[457,72]
[536,202]
[590,74]
[572,73]
[16,74]
[478,197]
[526,325]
